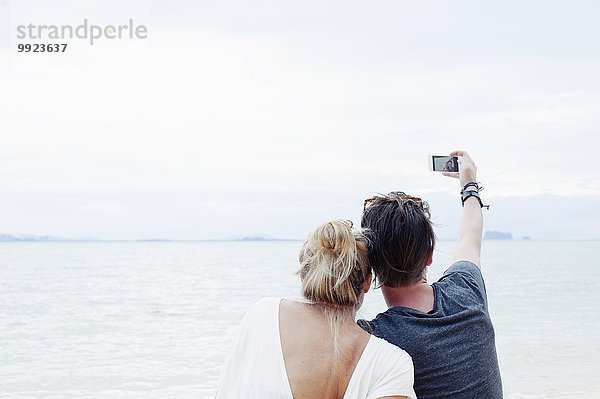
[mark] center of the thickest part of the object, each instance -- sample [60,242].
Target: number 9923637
[41,48]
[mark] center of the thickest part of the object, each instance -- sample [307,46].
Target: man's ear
[430,259]
[367,283]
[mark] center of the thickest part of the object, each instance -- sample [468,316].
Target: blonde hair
[334,265]
[333,268]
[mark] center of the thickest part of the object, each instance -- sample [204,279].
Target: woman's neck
[342,312]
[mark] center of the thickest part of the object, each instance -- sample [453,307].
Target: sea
[155,319]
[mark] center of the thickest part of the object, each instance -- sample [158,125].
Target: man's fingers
[451,174]
[459,153]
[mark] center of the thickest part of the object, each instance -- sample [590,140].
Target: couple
[316,349]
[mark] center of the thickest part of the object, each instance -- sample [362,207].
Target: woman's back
[315,369]
[276,356]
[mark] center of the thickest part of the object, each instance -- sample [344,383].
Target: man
[444,326]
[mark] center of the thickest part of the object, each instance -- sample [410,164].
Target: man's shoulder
[460,278]
[365,325]
[386,324]
[464,267]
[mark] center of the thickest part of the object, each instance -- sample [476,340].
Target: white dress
[255,369]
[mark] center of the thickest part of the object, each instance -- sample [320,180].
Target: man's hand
[466,167]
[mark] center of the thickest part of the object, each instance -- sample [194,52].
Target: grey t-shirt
[452,347]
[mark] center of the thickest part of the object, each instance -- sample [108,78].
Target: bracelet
[472,193]
[477,185]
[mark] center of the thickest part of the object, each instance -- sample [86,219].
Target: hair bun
[333,265]
[335,237]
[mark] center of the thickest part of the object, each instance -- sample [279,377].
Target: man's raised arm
[471,224]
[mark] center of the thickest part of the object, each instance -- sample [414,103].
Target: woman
[314,349]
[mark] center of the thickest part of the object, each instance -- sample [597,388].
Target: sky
[240,118]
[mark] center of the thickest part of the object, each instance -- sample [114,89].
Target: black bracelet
[472,193]
[475,184]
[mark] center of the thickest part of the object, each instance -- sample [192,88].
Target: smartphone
[443,163]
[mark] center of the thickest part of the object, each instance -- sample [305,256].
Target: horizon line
[159,240]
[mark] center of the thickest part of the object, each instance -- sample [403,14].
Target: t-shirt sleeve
[365,325]
[466,277]
[398,378]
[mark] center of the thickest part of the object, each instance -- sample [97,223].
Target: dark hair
[401,238]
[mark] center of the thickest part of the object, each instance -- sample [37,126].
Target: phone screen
[444,163]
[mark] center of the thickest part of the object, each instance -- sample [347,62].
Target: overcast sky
[268,117]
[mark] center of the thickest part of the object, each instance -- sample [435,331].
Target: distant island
[34,238]
[28,237]
[263,238]
[497,235]
[254,238]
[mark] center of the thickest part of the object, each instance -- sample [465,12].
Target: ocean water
[154,320]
